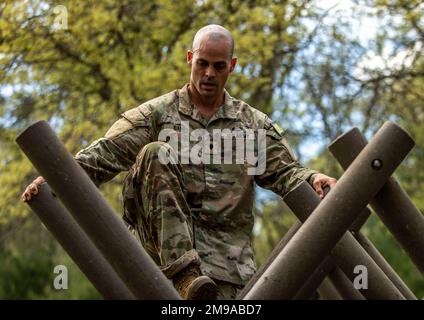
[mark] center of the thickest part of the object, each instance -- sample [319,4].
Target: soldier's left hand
[321,181]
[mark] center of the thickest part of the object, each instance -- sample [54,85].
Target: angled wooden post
[334,215]
[391,203]
[95,216]
[77,244]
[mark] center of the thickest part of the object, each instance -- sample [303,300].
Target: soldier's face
[211,65]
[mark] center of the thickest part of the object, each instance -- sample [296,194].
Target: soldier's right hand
[32,189]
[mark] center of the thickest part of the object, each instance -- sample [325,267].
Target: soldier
[195,219]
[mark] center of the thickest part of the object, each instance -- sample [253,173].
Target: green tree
[115,55]
[112,56]
[297,61]
[341,81]
[29,254]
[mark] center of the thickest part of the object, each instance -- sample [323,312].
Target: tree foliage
[298,60]
[115,55]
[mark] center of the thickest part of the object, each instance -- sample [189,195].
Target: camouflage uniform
[185,213]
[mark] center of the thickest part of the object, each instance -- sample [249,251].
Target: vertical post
[77,244]
[333,216]
[91,211]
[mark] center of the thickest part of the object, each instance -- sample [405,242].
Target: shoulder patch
[274,129]
[277,128]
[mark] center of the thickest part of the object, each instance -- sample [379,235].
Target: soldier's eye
[220,66]
[202,63]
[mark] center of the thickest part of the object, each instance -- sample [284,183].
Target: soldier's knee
[154,147]
[159,150]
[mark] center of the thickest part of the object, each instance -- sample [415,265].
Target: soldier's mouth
[208,85]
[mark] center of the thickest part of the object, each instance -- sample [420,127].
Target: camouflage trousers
[155,205]
[227,290]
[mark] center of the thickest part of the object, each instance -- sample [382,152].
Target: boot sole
[202,288]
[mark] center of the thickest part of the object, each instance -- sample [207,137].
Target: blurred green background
[319,68]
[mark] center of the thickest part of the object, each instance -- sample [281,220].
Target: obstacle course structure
[319,253]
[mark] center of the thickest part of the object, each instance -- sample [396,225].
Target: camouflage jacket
[221,196]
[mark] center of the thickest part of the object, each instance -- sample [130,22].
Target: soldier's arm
[283,171]
[115,152]
[118,149]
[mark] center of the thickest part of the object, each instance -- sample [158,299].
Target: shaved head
[213,32]
[211,62]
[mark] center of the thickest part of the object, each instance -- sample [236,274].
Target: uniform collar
[186,106]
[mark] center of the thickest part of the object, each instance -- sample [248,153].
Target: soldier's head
[211,60]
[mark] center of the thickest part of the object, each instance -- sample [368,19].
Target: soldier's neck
[206,108]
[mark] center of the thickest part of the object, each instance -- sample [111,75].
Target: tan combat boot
[192,285]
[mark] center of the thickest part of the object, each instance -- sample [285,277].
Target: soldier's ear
[189,57]
[233,63]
